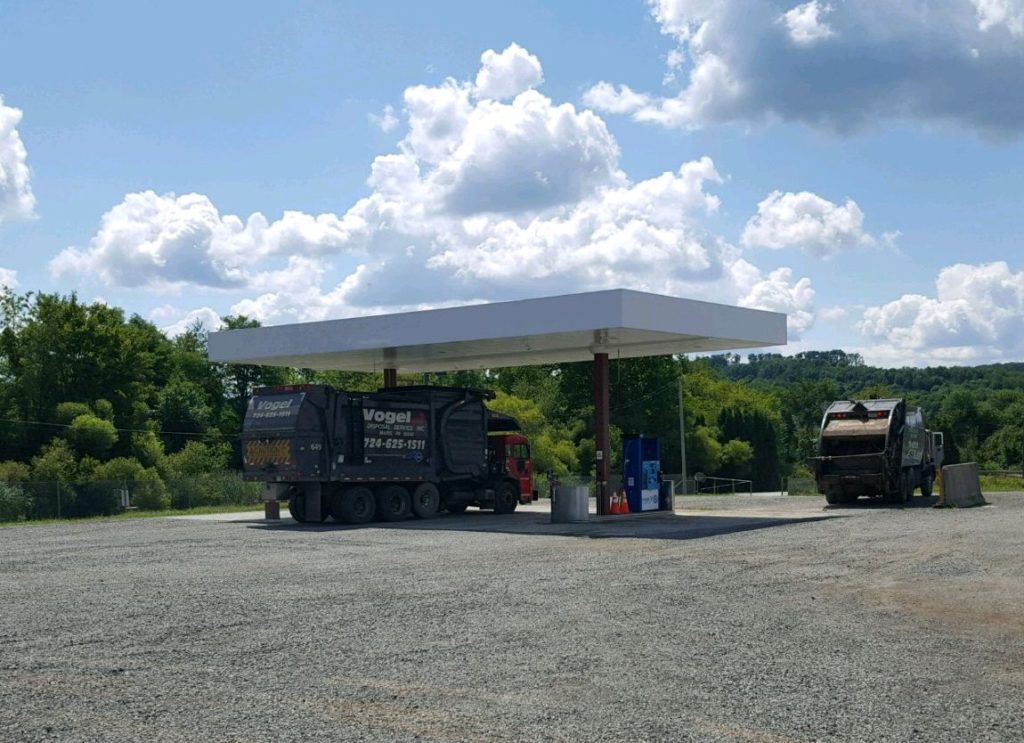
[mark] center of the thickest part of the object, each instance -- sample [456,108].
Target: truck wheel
[833,498]
[426,500]
[456,507]
[297,507]
[393,503]
[506,498]
[354,506]
[926,485]
[908,488]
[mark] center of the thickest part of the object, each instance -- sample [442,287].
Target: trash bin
[665,496]
[570,504]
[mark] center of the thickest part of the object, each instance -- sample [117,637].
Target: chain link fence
[55,500]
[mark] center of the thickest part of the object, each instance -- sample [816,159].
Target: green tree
[197,458]
[148,449]
[15,505]
[736,459]
[181,412]
[91,436]
[552,447]
[14,472]
[148,491]
[66,412]
[55,463]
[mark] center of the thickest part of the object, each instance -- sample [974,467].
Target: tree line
[90,397]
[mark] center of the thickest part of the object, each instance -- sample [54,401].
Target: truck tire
[426,501]
[906,491]
[354,505]
[834,498]
[927,482]
[506,498]
[393,503]
[297,508]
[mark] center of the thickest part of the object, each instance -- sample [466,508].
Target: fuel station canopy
[616,323]
[565,328]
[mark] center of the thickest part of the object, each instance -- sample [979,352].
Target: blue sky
[855,165]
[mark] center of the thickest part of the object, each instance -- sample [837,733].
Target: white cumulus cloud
[16,198]
[995,13]
[807,221]
[805,23]
[977,314]
[838,65]
[173,321]
[486,197]
[8,278]
[385,120]
[166,240]
[508,73]
[778,292]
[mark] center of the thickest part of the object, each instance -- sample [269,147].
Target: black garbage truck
[877,447]
[384,455]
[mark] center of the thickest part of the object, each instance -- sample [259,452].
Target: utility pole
[682,434]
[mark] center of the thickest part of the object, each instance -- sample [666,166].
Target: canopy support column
[602,414]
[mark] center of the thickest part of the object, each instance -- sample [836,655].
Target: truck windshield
[270,412]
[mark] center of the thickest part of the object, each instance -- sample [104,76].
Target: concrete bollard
[961,486]
[570,505]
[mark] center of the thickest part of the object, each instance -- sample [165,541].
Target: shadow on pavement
[640,526]
[861,504]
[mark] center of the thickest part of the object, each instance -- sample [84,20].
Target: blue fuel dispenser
[641,463]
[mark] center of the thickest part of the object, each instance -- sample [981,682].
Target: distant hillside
[852,376]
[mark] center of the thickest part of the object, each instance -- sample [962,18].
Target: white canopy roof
[571,327]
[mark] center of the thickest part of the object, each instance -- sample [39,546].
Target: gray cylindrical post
[570,504]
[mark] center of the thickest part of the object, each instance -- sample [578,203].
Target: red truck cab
[509,457]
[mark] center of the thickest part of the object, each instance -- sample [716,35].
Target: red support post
[602,414]
[390,378]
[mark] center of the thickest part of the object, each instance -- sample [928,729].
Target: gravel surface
[736,621]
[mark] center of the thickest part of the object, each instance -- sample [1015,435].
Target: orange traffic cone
[624,504]
[615,504]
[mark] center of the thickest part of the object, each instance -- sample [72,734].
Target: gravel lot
[732,622]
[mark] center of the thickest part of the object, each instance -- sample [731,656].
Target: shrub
[148,449]
[91,435]
[118,470]
[55,463]
[68,411]
[104,409]
[97,498]
[149,492]
[103,492]
[197,458]
[213,489]
[14,504]
[14,471]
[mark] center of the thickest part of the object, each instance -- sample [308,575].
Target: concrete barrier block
[961,486]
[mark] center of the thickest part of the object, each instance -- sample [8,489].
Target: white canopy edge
[564,328]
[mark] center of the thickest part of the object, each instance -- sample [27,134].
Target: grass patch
[138,514]
[1000,483]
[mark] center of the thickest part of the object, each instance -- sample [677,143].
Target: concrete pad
[704,517]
